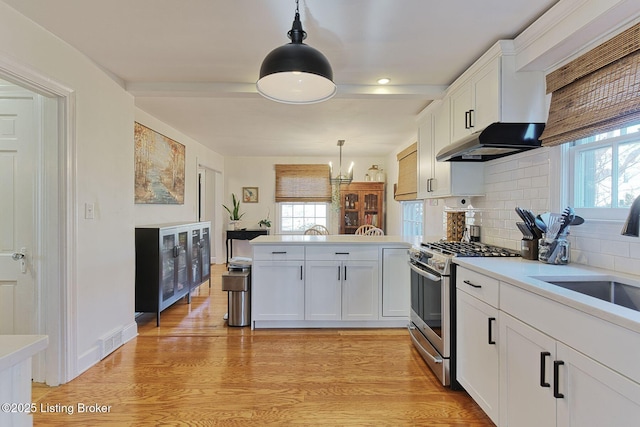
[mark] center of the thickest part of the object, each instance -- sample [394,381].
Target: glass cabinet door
[205,253]
[182,276]
[371,214]
[196,272]
[168,266]
[351,218]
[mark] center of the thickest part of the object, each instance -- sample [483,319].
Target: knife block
[529,249]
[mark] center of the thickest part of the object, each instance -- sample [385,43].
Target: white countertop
[332,239]
[16,348]
[523,273]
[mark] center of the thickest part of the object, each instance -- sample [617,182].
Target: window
[295,218]
[412,214]
[605,172]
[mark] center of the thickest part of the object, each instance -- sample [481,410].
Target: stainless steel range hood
[496,140]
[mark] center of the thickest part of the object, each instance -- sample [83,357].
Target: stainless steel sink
[611,291]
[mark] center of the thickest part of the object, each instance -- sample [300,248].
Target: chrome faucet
[631,226]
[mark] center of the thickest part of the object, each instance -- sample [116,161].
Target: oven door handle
[425,273]
[438,360]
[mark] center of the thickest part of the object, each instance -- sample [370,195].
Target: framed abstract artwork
[250,194]
[159,168]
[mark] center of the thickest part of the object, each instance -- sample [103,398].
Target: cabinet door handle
[471,125]
[338,273]
[300,272]
[543,368]
[490,334]
[429,185]
[345,272]
[467,119]
[556,374]
[471,284]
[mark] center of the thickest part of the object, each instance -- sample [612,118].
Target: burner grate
[470,249]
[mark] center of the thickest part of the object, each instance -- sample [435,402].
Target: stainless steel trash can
[238,285]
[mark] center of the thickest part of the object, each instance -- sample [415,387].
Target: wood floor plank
[194,370]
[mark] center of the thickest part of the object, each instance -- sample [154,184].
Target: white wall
[104,117]
[104,169]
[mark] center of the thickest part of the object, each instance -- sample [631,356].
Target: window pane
[309,211]
[298,210]
[594,178]
[287,224]
[628,173]
[295,218]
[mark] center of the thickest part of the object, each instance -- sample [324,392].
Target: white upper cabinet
[491,90]
[442,179]
[476,103]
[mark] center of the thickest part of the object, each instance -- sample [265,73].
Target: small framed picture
[250,194]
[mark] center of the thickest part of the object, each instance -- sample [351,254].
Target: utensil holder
[556,251]
[529,249]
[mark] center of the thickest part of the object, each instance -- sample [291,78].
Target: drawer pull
[342,253]
[471,284]
[543,361]
[278,252]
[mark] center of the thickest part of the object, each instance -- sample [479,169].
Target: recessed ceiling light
[383,81]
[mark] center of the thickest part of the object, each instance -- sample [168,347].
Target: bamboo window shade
[407,174]
[597,92]
[303,183]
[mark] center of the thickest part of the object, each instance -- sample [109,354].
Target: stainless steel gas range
[432,317]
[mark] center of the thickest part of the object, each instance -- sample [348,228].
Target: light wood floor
[195,371]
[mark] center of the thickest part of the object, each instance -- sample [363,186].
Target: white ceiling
[193,63]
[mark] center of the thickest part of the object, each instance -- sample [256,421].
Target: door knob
[22,257]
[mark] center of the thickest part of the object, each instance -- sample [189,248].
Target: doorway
[34,269]
[209,190]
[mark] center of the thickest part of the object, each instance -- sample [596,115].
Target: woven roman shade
[407,174]
[303,183]
[597,92]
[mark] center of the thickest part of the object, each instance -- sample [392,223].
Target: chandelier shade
[296,73]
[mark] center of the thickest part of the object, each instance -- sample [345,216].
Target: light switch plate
[89,210]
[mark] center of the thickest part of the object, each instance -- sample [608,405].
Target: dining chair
[374,232]
[364,228]
[318,230]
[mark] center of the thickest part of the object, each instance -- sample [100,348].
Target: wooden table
[244,234]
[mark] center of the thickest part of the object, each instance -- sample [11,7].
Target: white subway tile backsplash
[523,180]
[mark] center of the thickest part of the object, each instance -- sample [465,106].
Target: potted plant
[266,223]
[234,214]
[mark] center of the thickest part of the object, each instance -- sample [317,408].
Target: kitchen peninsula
[302,281]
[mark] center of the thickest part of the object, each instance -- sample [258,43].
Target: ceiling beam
[239,90]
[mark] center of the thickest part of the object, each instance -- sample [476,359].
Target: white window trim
[562,172]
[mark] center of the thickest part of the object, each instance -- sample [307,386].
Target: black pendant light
[296,73]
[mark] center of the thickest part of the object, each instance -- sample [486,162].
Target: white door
[17,219]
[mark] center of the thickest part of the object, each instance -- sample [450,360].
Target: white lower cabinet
[341,290]
[396,294]
[594,395]
[277,290]
[530,361]
[477,352]
[526,367]
[547,383]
